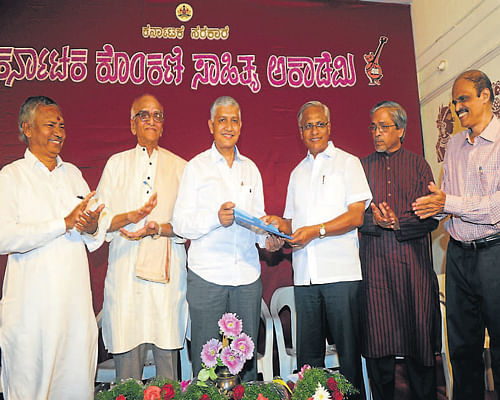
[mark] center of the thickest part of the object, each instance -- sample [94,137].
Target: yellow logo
[184,12]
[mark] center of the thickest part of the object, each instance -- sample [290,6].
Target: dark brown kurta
[400,296]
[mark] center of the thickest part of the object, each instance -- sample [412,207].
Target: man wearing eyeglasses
[470,196]
[326,199]
[144,293]
[223,261]
[400,296]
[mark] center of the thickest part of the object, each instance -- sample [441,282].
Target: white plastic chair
[185,355]
[281,298]
[265,360]
[186,364]
[448,377]
[284,297]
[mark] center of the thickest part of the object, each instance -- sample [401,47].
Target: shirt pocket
[331,195]
[246,196]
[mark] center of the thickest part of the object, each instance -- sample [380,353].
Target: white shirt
[48,329]
[221,255]
[319,190]
[137,311]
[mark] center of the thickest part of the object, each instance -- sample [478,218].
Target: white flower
[321,393]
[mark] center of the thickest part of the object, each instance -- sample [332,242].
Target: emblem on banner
[373,69]
[448,124]
[184,12]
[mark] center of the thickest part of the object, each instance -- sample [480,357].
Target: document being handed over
[244,218]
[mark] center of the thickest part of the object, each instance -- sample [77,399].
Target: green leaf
[204,374]
[213,375]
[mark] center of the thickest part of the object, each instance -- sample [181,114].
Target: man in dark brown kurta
[400,302]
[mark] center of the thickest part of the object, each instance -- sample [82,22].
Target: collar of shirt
[35,162]
[328,152]
[216,156]
[389,155]
[490,133]
[143,152]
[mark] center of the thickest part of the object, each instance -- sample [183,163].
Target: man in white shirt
[48,330]
[326,200]
[223,262]
[145,288]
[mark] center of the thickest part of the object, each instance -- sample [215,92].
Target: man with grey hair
[145,288]
[326,199]
[49,332]
[223,261]
[400,296]
[470,196]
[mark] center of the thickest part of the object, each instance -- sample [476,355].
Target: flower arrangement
[322,384]
[157,389]
[313,384]
[259,391]
[205,392]
[234,350]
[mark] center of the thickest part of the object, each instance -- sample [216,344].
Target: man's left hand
[304,235]
[430,205]
[151,228]
[274,243]
[384,216]
[88,220]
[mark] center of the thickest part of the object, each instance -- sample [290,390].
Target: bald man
[145,288]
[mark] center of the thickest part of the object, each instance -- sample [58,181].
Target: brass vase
[226,381]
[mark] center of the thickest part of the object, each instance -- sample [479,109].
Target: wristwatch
[157,234]
[322,231]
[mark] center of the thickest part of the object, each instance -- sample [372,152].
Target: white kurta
[137,311]
[48,332]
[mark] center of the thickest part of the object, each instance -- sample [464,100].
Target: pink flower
[209,352]
[184,385]
[304,368]
[152,393]
[243,344]
[232,360]
[205,397]
[238,392]
[167,391]
[230,325]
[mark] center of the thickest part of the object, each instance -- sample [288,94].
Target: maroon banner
[95,57]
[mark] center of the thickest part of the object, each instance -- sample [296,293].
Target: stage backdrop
[94,57]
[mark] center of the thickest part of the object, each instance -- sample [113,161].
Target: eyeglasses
[382,128]
[319,125]
[145,116]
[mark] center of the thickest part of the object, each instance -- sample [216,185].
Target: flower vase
[226,381]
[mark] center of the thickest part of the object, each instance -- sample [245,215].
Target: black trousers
[333,307]
[422,379]
[472,303]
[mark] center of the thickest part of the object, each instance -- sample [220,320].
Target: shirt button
[148,192]
[150,163]
[388,168]
[143,149]
[388,194]
[149,178]
[389,182]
